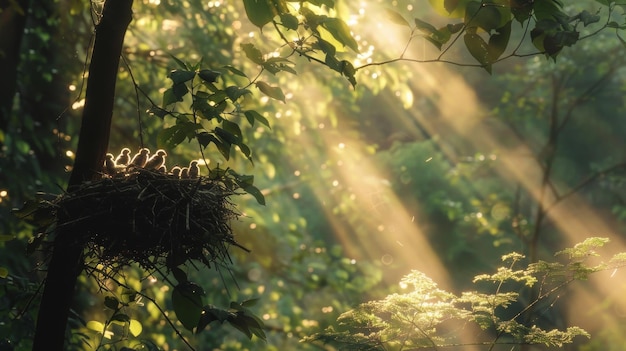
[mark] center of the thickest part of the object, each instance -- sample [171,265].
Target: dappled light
[370,175]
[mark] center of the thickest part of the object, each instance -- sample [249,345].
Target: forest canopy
[323,175]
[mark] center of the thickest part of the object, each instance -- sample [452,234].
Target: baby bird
[194,170]
[162,169]
[109,165]
[184,173]
[140,159]
[156,161]
[123,158]
[175,172]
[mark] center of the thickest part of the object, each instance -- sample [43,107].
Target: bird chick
[162,169]
[109,165]
[123,158]
[184,173]
[194,170]
[156,161]
[175,172]
[140,159]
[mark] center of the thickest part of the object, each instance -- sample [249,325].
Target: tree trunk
[66,261]
[12,22]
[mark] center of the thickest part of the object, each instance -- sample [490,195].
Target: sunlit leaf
[424,26]
[396,18]
[95,326]
[135,327]
[341,32]
[273,92]
[449,8]
[3,272]
[252,53]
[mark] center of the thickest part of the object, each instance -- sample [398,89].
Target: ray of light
[459,114]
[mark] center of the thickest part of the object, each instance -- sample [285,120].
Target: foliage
[430,318]
[304,274]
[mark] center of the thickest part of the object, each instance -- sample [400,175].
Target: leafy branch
[427,317]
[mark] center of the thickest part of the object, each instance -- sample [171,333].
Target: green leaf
[180,63]
[254,191]
[135,327]
[521,9]
[179,275]
[486,16]
[341,32]
[95,326]
[277,64]
[250,302]
[498,42]
[111,302]
[227,136]
[181,76]
[235,71]
[169,138]
[187,303]
[425,27]
[174,94]
[396,18]
[120,317]
[252,53]
[4,272]
[478,48]
[212,314]
[4,237]
[209,75]
[157,111]
[252,115]
[289,21]
[28,210]
[259,12]
[273,92]
[205,138]
[450,5]
[234,92]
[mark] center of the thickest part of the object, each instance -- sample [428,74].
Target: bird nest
[150,218]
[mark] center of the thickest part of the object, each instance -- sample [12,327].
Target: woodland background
[433,166]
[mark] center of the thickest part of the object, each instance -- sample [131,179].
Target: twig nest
[151,218]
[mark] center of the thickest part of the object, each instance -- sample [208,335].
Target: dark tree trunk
[12,22]
[66,262]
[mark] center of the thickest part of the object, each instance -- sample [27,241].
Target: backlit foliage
[428,317]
